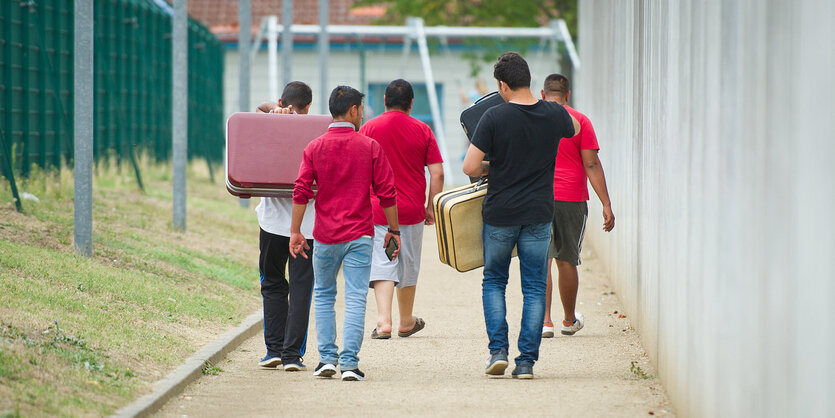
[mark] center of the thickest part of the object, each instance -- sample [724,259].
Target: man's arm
[436,184]
[594,171]
[473,162]
[394,225]
[266,107]
[273,107]
[298,243]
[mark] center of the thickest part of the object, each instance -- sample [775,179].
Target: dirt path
[439,371]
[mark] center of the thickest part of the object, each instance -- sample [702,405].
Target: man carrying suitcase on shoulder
[522,137]
[346,166]
[576,160]
[285,324]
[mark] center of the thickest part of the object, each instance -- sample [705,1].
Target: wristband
[392,231]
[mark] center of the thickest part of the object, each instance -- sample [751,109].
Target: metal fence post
[8,171]
[244,36]
[324,46]
[272,53]
[83,126]
[287,40]
[179,109]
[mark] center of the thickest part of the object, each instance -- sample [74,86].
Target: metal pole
[244,35]
[324,45]
[83,126]
[416,24]
[561,31]
[287,41]
[272,53]
[179,109]
[407,45]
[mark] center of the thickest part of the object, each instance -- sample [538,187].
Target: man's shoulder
[580,116]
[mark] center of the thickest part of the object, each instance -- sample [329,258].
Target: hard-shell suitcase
[471,115]
[458,226]
[264,151]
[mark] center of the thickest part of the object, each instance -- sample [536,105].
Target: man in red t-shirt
[576,160]
[409,146]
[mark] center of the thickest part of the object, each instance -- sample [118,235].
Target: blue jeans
[532,243]
[355,259]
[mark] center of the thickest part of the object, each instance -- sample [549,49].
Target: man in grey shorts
[409,146]
[576,160]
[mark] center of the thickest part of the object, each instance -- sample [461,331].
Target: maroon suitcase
[264,151]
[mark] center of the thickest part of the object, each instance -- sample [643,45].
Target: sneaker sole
[325,373]
[351,377]
[497,368]
[523,376]
[294,368]
[548,334]
[274,362]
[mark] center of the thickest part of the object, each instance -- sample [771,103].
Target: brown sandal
[419,324]
[380,336]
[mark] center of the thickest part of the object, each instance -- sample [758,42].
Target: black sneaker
[353,375]
[496,363]
[325,370]
[523,371]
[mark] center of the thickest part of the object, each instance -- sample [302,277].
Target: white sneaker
[576,326]
[548,330]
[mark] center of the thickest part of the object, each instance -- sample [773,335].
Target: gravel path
[439,371]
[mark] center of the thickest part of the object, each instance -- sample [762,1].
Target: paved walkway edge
[191,369]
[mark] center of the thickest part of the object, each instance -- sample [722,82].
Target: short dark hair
[399,94]
[297,94]
[556,85]
[342,98]
[513,70]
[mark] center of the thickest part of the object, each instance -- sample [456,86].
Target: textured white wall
[716,120]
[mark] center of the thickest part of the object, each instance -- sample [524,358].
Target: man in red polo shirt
[346,167]
[576,160]
[409,146]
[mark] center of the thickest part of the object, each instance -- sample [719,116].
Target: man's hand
[298,245]
[283,110]
[430,216]
[396,238]
[608,218]
[266,107]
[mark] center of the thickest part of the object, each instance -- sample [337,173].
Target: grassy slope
[85,336]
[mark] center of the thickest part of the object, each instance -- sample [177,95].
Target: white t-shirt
[275,215]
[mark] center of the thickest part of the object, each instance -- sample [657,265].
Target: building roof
[221,16]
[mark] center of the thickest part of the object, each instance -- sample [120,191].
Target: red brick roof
[221,16]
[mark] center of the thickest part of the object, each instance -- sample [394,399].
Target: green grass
[83,336]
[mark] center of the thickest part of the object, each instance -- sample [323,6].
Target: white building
[384,61]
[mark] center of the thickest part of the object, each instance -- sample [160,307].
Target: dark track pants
[285,324]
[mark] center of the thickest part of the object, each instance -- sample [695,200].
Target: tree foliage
[496,13]
[503,13]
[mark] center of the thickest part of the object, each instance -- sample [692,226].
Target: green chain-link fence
[132,85]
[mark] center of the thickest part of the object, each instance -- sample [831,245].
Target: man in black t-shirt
[522,137]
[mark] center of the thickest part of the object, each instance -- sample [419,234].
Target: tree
[501,13]
[504,13]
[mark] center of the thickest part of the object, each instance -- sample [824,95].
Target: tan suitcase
[458,226]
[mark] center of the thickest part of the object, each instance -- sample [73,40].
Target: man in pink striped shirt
[345,166]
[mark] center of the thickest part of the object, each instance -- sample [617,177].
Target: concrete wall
[716,120]
[450,68]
